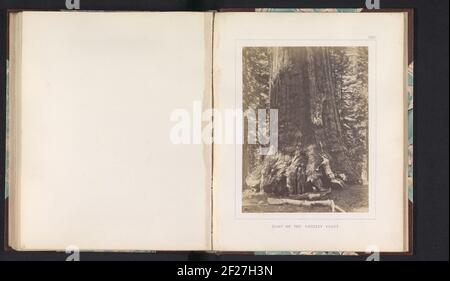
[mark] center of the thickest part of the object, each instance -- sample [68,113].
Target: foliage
[350,68]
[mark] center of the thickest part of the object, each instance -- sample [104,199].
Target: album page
[96,163]
[313,156]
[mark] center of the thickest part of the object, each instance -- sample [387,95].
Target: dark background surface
[431,105]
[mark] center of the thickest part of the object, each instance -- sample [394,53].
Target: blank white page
[97,167]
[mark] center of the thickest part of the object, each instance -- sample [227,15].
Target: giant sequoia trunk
[302,89]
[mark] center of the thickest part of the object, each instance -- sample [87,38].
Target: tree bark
[302,88]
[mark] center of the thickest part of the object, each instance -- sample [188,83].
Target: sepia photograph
[320,162]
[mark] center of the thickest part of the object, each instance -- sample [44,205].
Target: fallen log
[310,195]
[339,208]
[305,203]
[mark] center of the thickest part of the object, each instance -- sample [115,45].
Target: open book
[207,131]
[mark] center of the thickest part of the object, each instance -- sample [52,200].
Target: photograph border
[370,42]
